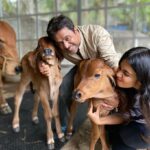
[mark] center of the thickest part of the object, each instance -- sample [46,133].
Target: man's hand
[44,68]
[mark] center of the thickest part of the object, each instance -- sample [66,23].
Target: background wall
[128,21]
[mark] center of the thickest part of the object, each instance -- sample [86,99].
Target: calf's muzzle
[76,95]
[18,69]
[47,52]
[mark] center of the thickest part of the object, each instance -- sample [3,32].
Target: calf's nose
[18,69]
[76,95]
[47,51]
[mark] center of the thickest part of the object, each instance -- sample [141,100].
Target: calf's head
[94,79]
[45,52]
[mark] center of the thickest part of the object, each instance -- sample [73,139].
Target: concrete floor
[80,140]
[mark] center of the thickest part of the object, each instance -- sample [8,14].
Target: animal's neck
[53,62]
[108,91]
[55,71]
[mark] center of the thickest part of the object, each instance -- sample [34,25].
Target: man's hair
[57,23]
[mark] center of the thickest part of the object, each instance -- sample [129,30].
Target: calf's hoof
[51,146]
[35,120]
[16,129]
[5,109]
[68,136]
[62,139]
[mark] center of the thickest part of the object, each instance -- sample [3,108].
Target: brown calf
[94,81]
[9,61]
[47,88]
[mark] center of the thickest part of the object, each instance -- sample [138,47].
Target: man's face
[68,40]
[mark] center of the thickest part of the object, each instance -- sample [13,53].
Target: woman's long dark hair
[139,59]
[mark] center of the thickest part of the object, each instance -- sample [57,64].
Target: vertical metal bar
[79,12]
[19,30]
[36,19]
[135,42]
[1,10]
[105,14]
[56,7]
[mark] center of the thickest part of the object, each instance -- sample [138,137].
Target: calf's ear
[112,80]
[32,61]
[1,45]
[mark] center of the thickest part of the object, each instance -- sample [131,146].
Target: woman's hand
[44,68]
[115,118]
[94,116]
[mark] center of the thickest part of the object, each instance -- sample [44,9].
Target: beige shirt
[96,42]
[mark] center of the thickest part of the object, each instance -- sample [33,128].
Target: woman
[130,130]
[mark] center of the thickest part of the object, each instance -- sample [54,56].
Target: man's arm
[105,47]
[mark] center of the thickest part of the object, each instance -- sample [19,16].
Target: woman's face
[126,76]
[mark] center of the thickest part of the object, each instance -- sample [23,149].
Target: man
[76,44]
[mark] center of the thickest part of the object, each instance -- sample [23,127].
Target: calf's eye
[97,76]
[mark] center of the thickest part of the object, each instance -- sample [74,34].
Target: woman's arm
[115,118]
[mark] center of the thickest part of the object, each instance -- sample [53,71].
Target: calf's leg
[17,102]
[35,118]
[48,119]
[57,118]
[95,134]
[103,138]
[73,110]
[4,107]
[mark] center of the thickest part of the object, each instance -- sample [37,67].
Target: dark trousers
[128,137]
[65,100]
